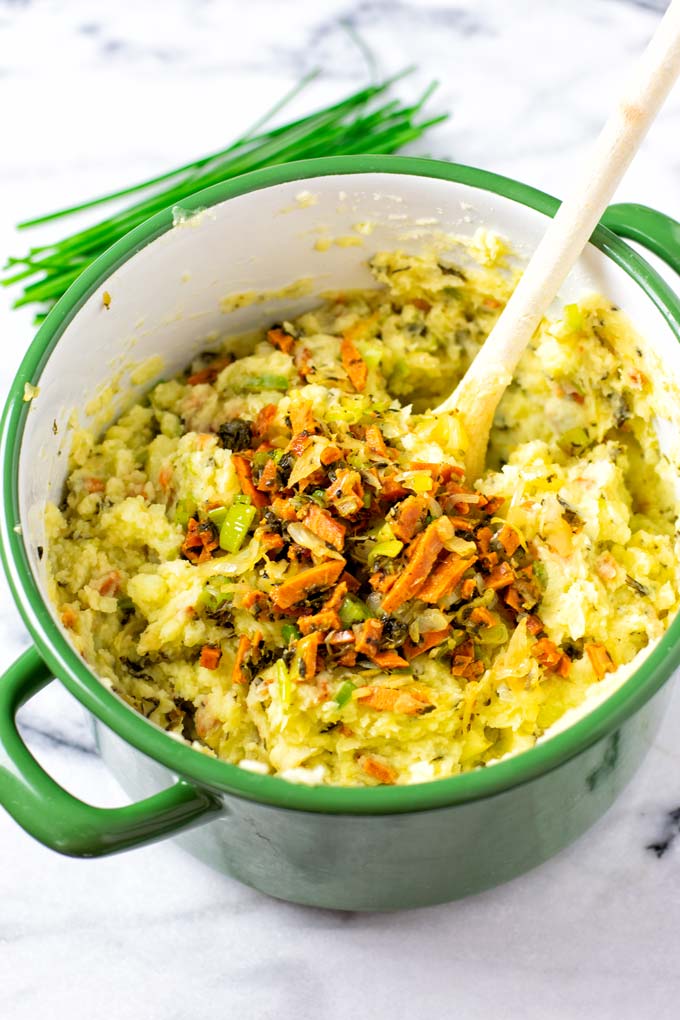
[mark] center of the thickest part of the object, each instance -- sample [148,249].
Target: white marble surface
[94,95]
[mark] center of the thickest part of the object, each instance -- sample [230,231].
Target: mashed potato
[276,556]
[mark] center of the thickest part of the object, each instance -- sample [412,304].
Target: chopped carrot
[200,541]
[346,492]
[330,454]
[480,614]
[354,364]
[245,479]
[351,582]
[303,362]
[500,577]
[420,303]
[341,637]
[392,490]
[484,536]
[299,442]
[546,652]
[325,527]
[509,539]
[110,584]
[165,476]
[210,373]
[375,441]
[94,484]
[348,659]
[251,598]
[513,599]
[284,510]
[430,639]
[409,515]
[279,338]
[306,650]
[444,578]
[600,659]
[210,657]
[264,420]
[368,636]
[378,770]
[334,600]
[269,477]
[422,552]
[244,646]
[297,588]
[389,660]
[388,699]
[301,416]
[467,588]
[271,542]
[534,625]
[68,617]
[323,621]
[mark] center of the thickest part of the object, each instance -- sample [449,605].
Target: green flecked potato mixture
[275,556]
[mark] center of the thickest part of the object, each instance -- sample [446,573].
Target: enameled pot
[367,848]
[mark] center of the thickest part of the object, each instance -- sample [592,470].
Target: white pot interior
[165,300]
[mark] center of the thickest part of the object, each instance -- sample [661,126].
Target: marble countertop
[93,96]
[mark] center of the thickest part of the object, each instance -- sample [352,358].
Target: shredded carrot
[600,659]
[389,660]
[210,657]
[509,539]
[430,639]
[210,373]
[68,617]
[346,493]
[284,510]
[94,484]
[297,588]
[330,454]
[165,476]
[279,338]
[500,577]
[368,636]
[301,416]
[444,578]
[480,614]
[375,441]
[409,515]
[245,479]
[326,527]
[306,650]
[513,599]
[110,584]
[269,477]
[271,542]
[237,674]
[378,770]
[388,699]
[200,541]
[263,421]
[422,552]
[354,364]
[323,621]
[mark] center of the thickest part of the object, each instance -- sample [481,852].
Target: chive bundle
[365,122]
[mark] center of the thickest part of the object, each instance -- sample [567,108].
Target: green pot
[368,848]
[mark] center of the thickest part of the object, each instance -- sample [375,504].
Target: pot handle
[59,820]
[658,233]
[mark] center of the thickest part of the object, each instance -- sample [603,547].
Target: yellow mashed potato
[275,555]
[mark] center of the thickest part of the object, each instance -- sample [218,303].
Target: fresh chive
[358,123]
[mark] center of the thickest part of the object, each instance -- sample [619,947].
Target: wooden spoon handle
[478,393]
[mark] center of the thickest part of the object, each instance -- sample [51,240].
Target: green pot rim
[183,759]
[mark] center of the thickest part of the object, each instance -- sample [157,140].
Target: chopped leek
[353,610]
[217,515]
[391,549]
[235,526]
[290,632]
[344,693]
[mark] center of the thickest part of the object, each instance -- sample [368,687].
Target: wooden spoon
[476,397]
